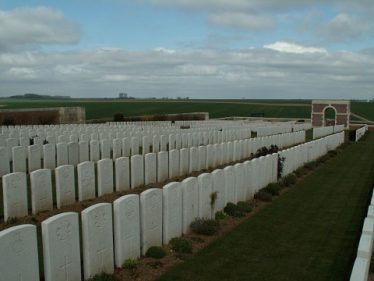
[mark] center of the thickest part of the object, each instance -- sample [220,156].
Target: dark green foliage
[246,207]
[280,166]
[310,165]
[118,117]
[233,210]
[103,277]
[265,151]
[155,252]
[130,264]
[263,195]
[301,171]
[289,180]
[181,245]
[273,189]
[220,215]
[205,226]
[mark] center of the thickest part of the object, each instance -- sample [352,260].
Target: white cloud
[165,50]
[286,47]
[201,73]
[35,26]
[241,20]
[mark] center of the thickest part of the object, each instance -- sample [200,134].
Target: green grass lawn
[309,233]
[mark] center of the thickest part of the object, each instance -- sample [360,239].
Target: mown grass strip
[309,233]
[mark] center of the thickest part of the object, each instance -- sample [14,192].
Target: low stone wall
[42,116]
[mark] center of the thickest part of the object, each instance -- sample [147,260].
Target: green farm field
[105,108]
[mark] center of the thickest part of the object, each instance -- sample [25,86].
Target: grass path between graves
[308,233]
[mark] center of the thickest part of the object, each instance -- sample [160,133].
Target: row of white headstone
[325,131]
[361,266]
[49,156]
[151,219]
[127,173]
[361,132]
[298,155]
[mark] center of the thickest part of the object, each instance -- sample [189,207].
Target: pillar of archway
[342,112]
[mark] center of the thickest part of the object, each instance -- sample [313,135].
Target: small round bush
[264,196]
[155,252]
[289,180]
[130,264]
[233,210]
[273,189]
[103,277]
[245,207]
[205,226]
[181,245]
[220,215]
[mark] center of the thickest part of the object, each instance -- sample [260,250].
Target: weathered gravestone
[104,177]
[86,180]
[19,254]
[172,211]
[190,204]
[151,218]
[41,190]
[97,236]
[162,166]
[65,185]
[126,228]
[15,195]
[122,171]
[205,183]
[61,250]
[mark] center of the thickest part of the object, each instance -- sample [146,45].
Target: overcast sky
[196,48]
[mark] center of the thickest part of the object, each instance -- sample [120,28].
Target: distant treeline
[37,96]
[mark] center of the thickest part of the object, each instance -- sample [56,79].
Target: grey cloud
[24,27]
[200,73]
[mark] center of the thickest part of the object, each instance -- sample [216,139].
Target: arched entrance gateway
[330,112]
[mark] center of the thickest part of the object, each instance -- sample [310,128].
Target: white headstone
[150,168]
[173,163]
[126,147]
[194,160]
[41,190]
[230,184]
[172,211]
[97,236]
[156,144]
[61,250]
[73,153]
[104,177]
[205,192]
[19,159]
[34,155]
[117,148]
[219,188]
[94,150]
[84,151]
[202,157]
[135,144]
[239,180]
[19,253]
[62,154]
[126,228]
[49,156]
[4,161]
[122,172]
[65,185]
[151,218]
[137,171]
[183,161]
[15,195]
[86,180]
[190,197]
[162,166]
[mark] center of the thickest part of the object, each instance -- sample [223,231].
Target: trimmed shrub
[273,189]
[233,210]
[289,180]
[246,207]
[263,195]
[181,245]
[155,252]
[103,277]
[130,264]
[220,215]
[205,226]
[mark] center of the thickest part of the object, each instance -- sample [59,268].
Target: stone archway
[326,119]
[342,112]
